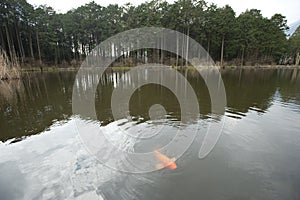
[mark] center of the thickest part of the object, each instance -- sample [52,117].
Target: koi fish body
[165,161]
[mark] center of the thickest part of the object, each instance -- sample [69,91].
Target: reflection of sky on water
[258,154]
[267,146]
[48,165]
[55,164]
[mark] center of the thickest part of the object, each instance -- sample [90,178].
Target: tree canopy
[41,34]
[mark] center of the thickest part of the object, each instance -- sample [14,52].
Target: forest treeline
[39,35]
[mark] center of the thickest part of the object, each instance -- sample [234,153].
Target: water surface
[257,156]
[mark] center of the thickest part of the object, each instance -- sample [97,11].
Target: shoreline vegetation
[37,38]
[8,69]
[124,68]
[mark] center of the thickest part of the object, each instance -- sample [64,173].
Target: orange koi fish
[165,161]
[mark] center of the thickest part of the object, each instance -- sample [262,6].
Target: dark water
[256,157]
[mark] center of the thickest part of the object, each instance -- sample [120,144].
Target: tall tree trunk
[30,46]
[75,50]
[187,47]
[161,50]
[3,46]
[177,49]
[208,49]
[222,51]
[110,50]
[56,55]
[21,49]
[115,52]
[39,49]
[59,53]
[8,41]
[182,51]
[243,55]
[297,59]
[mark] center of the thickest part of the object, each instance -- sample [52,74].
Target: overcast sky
[289,8]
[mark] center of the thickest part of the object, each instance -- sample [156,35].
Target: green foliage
[42,34]
[294,42]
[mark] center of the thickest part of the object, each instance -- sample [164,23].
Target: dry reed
[8,69]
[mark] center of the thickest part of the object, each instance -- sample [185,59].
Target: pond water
[256,157]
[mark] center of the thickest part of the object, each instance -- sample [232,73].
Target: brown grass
[8,69]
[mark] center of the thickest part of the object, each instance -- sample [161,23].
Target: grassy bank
[48,69]
[264,67]
[126,68]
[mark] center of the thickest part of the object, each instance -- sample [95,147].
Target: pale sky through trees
[288,8]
